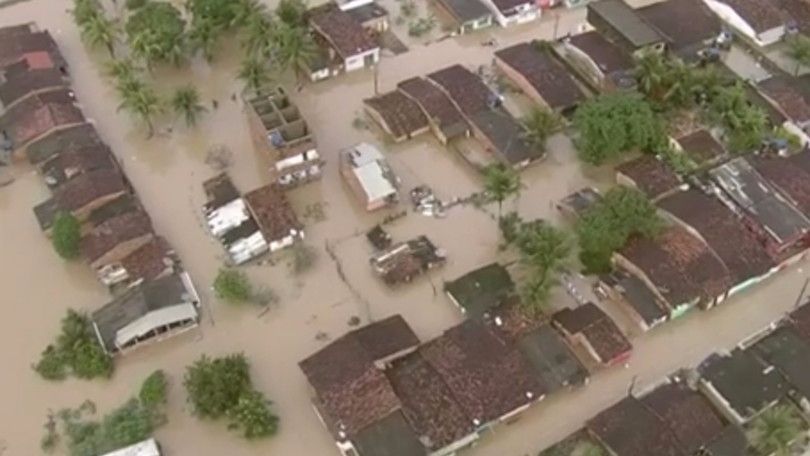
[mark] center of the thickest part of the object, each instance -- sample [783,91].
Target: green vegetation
[96,29]
[128,424]
[421,26]
[141,101]
[544,251]
[774,430]
[221,387]
[233,286]
[292,13]
[153,390]
[156,33]
[75,352]
[186,104]
[203,38]
[799,51]
[605,227]
[538,126]
[66,235]
[610,126]
[500,183]
[254,73]
[257,37]
[746,125]
[294,49]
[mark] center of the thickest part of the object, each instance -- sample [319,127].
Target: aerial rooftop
[480,290]
[650,175]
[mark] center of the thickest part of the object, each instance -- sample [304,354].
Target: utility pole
[377,78]
[556,24]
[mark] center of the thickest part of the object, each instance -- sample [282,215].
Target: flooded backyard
[167,172]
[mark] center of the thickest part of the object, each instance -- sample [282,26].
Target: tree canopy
[233,285]
[538,126]
[746,124]
[65,236]
[799,50]
[76,352]
[221,387]
[612,125]
[153,390]
[500,183]
[774,429]
[186,103]
[606,226]
[292,12]
[156,33]
[544,251]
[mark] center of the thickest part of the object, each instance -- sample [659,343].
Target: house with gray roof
[624,26]
[760,22]
[150,312]
[464,16]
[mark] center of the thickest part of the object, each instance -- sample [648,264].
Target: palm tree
[500,182]
[799,50]
[84,10]
[291,12]
[142,102]
[97,30]
[538,126]
[246,10]
[773,431]
[258,36]
[254,73]
[203,38]
[186,103]
[650,74]
[294,49]
[122,70]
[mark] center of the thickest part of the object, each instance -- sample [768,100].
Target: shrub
[153,390]
[233,286]
[65,235]
[76,351]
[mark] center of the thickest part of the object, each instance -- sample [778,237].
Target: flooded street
[167,172]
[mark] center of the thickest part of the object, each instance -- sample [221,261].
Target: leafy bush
[76,351]
[252,416]
[65,235]
[153,390]
[233,286]
[124,426]
[155,32]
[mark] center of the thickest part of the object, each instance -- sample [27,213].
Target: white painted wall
[357,62]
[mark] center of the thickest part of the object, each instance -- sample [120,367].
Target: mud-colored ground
[167,172]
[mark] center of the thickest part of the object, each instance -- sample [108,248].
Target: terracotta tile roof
[798,11]
[39,114]
[272,211]
[438,107]
[351,391]
[701,146]
[680,265]
[345,34]
[549,78]
[684,23]
[76,161]
[88,187]
[386,337]
[786,92]
[466,89]
[150,261]
[20,80]
[400,113]
[598,328]
[16,41]
[609,57]
[725,233]
[788,176]
[488,378]
[428,403]
[628,428]
[687,414]
[510,322]
[66,140]
[108,235]
[652,176]
[761,15]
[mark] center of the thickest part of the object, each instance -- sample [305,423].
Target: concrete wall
[357,62]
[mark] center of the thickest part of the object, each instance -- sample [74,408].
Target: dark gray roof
[390,436]
[684,23]
[789,353]
[482,289]
[244,230]
[72,138]
[626,21]
[465,10]
[747,384]
[506,134]
[119,206]
[45,213]
[752,193]
[638,296]
[136,303]
[551,358]
[731,442]
[581,200]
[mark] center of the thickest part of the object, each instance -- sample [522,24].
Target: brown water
[167,172]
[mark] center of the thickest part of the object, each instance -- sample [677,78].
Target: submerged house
[347,46]
[624,26]
[398,115]
[689,26]
[275,217]
[650,175]
[116,238]
[604,65]
[445,119]
[464,16]
[229,220]
[591,328]
[151,261]
[279,131]
[791,97]
[404,261]
[149,312]
[513,12]
[479,291]
[635,298]
[370,177]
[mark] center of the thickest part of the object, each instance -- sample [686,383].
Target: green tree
[186,103]
[156,33]
[251,416]
[142,102]
[294,49]
[500,183]
[214,386]
[609,223]
[153,390]
[98,30]
[85,10]
[258,37]
[665,81]
[219,13]
[76,351]
[132,5]
[247,10]
[292,12]
[254,73]
[799,50]
[538,126]
[544,251]
[610,126]
[203,38]
[233,286]
[66,235]
[124,426]
[746,125]
[774,429]
[122,71]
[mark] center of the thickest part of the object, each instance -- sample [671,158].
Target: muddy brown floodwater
[167,172]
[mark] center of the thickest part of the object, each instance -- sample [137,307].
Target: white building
[145,448]
[367,172]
